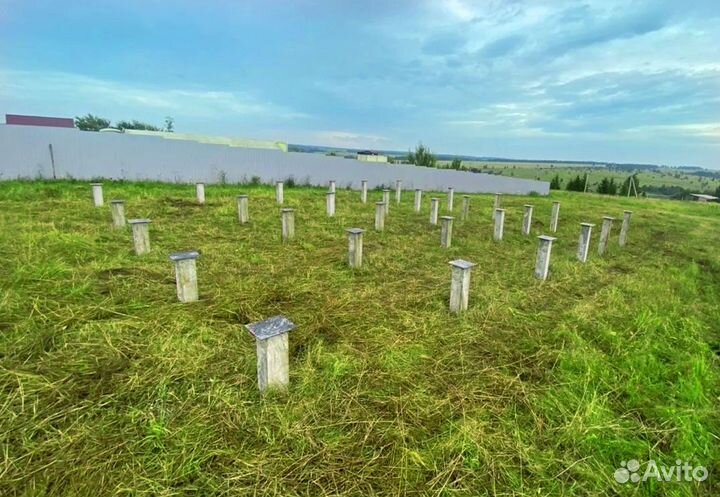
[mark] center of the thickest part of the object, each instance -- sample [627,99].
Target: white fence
[25,152]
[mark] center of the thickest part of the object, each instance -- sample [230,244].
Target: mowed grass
[112,387]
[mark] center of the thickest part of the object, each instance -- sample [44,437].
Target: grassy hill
[112,387]
[655,180]
[651,179]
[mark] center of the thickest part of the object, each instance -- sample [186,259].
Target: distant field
[110,387]
[545,172]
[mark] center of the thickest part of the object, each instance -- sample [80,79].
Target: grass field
[112,387]
[545,172]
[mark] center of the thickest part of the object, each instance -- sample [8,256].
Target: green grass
[112,387]
[545,172]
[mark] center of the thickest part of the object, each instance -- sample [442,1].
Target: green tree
[169,124]
[91,122]
[603,186]
[577,184]
[135,124]
[607,187]
[422,156]
[456,164]
[717,191]
[555,183]
[612,187]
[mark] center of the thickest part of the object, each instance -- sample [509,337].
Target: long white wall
[25,153]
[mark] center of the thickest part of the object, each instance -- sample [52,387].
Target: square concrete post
[542,263]
[497,202]
[386,201]
[460,285]
[355,247]
[117,209]
[398,191]
[499,224]
[379,216]
[141,235]
[280,192]
[273,355]
[288,224]
[185,275]
[434,208]
[465,208]
[200,192]
[363,191]
[584,241]
[97,193]
[624,228]
[418,199]
[605,234]
[332,185]
[450,199]
[242,205]
[446,231]
[554,216]
[527,219]
[330,204]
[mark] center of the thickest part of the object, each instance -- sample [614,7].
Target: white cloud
[696,130]
[459,9]
[77,94]
[606,79]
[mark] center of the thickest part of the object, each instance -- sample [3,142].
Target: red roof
[54,122]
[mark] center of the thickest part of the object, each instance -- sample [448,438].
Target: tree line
[91,122]
[423,156]
[607,186]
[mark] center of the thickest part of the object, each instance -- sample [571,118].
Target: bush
[555,183]
[422,156]
[607,187]
[577,184]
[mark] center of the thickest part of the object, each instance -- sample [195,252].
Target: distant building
[370,156]
[700,197]
[52,122]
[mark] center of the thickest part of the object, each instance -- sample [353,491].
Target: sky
[605,80]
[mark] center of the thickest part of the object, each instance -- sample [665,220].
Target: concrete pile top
[462,264]
[181,256]
[274,326]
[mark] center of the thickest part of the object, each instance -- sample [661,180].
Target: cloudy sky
[607,80]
